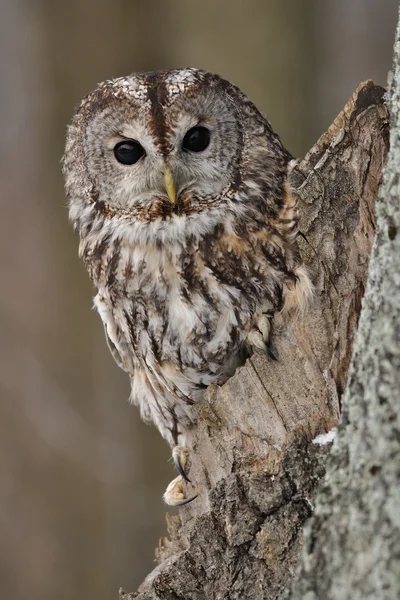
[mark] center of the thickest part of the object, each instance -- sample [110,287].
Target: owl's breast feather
[188,305]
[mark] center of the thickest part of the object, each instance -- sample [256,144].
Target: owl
[178,189]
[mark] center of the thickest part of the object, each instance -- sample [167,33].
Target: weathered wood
[253,464]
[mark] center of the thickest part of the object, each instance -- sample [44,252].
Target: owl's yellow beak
[169,183]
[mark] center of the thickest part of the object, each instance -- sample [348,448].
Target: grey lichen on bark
[253,462]
[352,544]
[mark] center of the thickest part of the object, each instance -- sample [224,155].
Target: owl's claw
[272,352]
[179,456]
[261,337]
[174,494]
[264,326]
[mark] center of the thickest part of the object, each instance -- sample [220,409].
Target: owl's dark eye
[196,139]
[128,152]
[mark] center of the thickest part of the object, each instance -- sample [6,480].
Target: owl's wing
[114,351]
[115,338]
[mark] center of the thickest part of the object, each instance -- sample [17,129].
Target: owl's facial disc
[174,153]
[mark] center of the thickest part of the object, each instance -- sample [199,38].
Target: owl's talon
[260,337]
[272,352]
[264,325]
[179,456]
[183,502]
[256,339]
[174,494]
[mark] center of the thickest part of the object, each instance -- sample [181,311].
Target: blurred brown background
[81,477]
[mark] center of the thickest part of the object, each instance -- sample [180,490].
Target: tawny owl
[177,186]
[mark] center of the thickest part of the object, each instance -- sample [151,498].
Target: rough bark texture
[352,544]
[254,464]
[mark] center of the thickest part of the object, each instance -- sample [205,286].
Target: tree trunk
[256,462]
[352,544]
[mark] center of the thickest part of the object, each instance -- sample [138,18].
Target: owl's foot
[179,456]
[260,336]
[174,494]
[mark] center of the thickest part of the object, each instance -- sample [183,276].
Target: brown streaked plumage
[186,287]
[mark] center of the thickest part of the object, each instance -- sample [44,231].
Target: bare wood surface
[253,463]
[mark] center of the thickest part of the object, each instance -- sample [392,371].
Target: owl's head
[160,148]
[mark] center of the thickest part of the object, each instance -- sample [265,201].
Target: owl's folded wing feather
[114,351]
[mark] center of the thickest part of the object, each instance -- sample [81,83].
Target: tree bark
[254,463]
[352,544]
